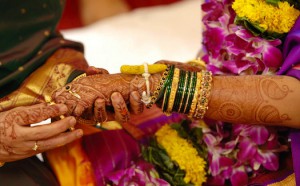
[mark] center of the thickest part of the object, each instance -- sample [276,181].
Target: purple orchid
[238,150]
[231,49]
[139,173]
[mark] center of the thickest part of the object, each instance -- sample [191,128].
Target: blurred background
[117,32]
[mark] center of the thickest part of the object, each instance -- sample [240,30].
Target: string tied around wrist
[146,95]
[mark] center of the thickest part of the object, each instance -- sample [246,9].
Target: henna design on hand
[270,114]
[101,86]
[21,116]
[247,99]
[273,90]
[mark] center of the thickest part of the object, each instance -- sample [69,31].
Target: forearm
[270,100]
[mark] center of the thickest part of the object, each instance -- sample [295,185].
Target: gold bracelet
[159,87]
[189,91]
[173,90]
[204,94]
[79,77]
[183,91]
[195,98]
[1,163]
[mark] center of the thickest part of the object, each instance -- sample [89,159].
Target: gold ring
[35,147]
[1,163]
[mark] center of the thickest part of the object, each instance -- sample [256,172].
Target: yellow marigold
[274,19]
[182,152]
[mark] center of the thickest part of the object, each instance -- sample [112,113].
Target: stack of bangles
[183,91]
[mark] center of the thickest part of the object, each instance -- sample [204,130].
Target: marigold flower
[279,19]
[183,153]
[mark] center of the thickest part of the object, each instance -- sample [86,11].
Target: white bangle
[146,97]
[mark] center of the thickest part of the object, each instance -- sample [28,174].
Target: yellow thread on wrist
[139,69]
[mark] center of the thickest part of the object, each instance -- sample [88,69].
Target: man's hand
[19,139]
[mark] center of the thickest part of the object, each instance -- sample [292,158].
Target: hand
[117,90]
[19,140]
[112,90]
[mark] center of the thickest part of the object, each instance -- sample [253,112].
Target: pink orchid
[231,49]
[140,173]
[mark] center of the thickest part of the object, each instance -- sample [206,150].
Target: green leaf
[273,2]
[256,30]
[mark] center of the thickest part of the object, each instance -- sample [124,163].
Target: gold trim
[173,90]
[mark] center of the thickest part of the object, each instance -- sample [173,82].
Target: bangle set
[184,92]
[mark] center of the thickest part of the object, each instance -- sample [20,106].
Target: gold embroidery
[39,86]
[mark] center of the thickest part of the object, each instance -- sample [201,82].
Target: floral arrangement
[240,37]
[245,37]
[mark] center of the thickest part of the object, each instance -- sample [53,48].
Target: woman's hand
[19,140]
[95,92]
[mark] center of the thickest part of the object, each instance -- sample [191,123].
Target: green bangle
[168,86]
[185,91]
[160,97]
[157,93]
[179,92]
[191,93]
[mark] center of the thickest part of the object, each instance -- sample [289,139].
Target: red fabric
[71,16]
[144,3]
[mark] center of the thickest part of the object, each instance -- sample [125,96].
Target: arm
[270,100]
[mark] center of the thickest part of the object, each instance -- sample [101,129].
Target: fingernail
[135,96]
[79,133]
[63,108]
[115,95]
[72,120]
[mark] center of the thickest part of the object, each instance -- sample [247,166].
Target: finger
[79,109]
[34,114]
[121,111]
[59,140]
[100,113]
[136,105]
[47,131]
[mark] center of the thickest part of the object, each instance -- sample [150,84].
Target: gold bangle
[183,91]
[173,90]
[204,94]
[79,77]
[195,98]
[1,163]
[159,87]
[189,92]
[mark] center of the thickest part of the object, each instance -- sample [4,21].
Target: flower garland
[240,37]
[279,19]
[244,37]
[183,153]
[176,154]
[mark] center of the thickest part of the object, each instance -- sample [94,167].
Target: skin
[18,137]
[268,100]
